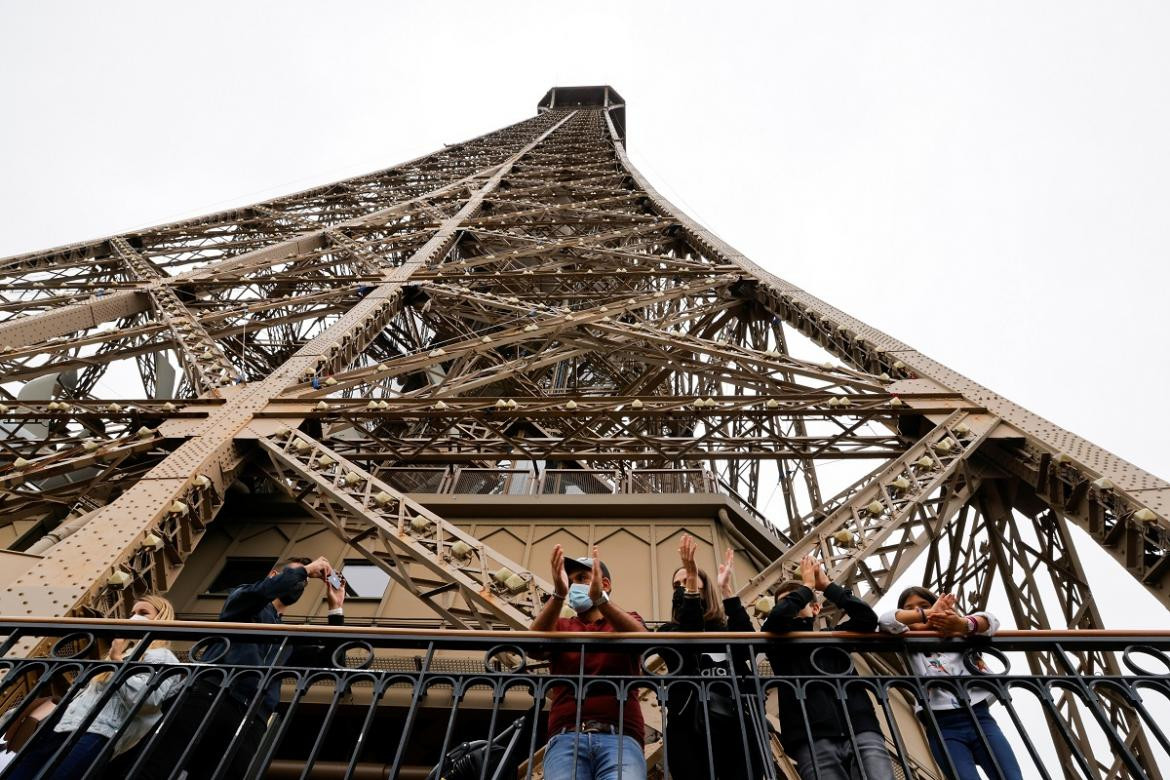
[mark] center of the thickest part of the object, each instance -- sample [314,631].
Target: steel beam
[1020,564]
[405,539]
[909,500]
[109,539]
[1133,492]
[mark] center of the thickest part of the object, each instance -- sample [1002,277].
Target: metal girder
[204,362]
[405,539]
[870,534]
[1135,537]
[1020,564]
[107,539]
[105,305]
[959,560]
[454,448]
[533,331]
[786,406]
[1131,522]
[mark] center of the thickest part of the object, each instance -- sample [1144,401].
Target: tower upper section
[603,96]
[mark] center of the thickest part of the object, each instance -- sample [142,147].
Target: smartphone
[334,580]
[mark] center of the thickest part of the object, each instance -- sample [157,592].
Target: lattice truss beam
[463,580]
[525,298]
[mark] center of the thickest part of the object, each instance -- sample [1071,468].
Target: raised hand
[686,553]
[560,578]
[726,576]
[808,571]
[822,578]
[335,596]
[319,568]
[944,618]
[945,604]
[595,584]
[948,623]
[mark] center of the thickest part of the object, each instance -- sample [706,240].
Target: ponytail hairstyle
[165,610]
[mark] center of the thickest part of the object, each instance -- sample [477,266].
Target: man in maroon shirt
[605,742]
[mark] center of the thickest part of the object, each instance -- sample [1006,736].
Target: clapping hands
[944,618]
[686,554]
[596,586]
[560,577]
[813,574]
[726,576]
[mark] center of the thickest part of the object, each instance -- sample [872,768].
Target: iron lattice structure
[523,297]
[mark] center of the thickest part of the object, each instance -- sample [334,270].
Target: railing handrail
[392,671]
[51,624]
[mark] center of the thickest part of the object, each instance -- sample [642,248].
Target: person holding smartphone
[263,602]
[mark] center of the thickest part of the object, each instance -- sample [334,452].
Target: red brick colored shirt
[601,703]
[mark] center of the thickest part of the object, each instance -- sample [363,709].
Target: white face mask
[139,617]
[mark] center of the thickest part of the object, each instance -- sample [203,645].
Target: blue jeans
[42,747]
[966,749]
[832,758]
[596,758]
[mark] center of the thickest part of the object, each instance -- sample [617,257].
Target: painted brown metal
[1077,461]
[72,577]
[533,267]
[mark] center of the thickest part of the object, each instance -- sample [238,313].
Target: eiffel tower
[453,364]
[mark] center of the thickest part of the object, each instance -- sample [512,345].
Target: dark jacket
[826,716]
[253,604]
[690,619]
[736,743]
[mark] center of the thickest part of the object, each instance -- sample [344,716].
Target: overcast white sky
[986,181]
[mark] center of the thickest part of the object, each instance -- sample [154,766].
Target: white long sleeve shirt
[944,664]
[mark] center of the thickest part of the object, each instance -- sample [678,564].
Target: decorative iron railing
[524,481]
[397,703]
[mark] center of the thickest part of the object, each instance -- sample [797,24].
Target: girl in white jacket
[921,610]
[113,714]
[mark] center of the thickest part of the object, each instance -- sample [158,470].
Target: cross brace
[396,534]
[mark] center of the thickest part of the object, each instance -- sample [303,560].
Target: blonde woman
[114,713]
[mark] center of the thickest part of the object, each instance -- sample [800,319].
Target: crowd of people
[825,737]
[591,735]
[204,715]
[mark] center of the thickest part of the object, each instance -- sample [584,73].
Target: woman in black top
[694,608]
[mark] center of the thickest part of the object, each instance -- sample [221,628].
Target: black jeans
[686,745]
[184,721]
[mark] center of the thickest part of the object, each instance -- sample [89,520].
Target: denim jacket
[116,710]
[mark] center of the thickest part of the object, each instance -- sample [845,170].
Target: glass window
[364,580]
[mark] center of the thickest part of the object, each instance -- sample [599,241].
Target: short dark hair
[920,592]
[301,561]
[788,586]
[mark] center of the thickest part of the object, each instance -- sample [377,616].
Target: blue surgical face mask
[579,599]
